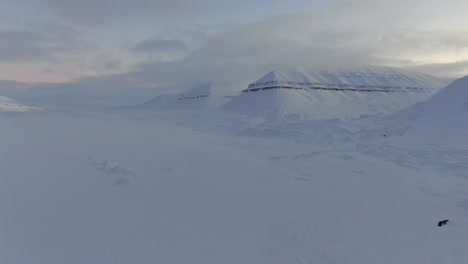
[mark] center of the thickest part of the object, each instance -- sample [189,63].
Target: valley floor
[116,189]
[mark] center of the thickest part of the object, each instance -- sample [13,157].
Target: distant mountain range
[344,93]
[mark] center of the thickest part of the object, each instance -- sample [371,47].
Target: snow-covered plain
[213,187]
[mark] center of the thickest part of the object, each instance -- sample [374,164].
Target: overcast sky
[167,42]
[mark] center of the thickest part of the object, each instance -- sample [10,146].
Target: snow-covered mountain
[208,96]
[8,104]
[346,93]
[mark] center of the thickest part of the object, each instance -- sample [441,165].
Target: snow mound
[208,96]
[453,99]
[444,117]
[347,93]
[448,103]
[10,105]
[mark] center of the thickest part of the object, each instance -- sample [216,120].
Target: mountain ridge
[335,94]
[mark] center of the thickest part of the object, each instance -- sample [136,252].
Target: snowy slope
[10,105]
[449,105]
[444,116]
[452,100]
[208,96]
[346,93]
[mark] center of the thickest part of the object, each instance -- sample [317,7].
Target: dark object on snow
[443,222]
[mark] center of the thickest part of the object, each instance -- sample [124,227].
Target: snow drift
[347,93]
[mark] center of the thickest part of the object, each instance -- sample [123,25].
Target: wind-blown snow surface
[146,187]
[10,105]
[348,93]
[176,188]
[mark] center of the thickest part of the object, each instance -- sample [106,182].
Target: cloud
[160,45]
[454,69]
[97,13]
[33,45]
[161,49]
[242,56]
[358,32]
[94,13]
[418,34]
